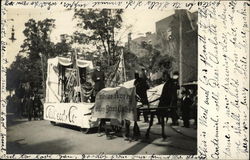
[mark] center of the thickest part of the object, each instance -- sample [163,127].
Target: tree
[13,79]
[99,28]
[101,24]
[38,38]
[63,47]
[155,60]
[27,66]
[24,70]
[131,63]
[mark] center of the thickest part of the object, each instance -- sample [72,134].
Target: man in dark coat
[99,78]
[37,107]
[141,86]
[20,92]
[175,87]
[30,105]
[186,103]
[194,106]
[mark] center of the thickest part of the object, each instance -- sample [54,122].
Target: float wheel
[53,123]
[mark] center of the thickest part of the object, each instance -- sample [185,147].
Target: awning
[64,61]
[79,62]
[84,63]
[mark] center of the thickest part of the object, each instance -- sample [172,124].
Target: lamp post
[12,38]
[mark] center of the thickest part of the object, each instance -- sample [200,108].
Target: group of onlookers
[29,106]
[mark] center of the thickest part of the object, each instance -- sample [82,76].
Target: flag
[120,74]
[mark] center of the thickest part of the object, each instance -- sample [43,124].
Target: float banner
[116,103]
[77,114]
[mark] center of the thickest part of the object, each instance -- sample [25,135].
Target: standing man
[143,74]
[37,107]
[30,105]
[141,86]
[174,83]
[98,77]
[20,92]
[186,103]
[194,106]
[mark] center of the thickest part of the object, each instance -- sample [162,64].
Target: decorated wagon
[68,92]
[69,99]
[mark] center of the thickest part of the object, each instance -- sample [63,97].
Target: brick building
[136,45]
[167,40]
[168,34]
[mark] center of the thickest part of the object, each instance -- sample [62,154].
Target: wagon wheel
[85,130]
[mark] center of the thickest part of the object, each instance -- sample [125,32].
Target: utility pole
[180,48]
[43,78]
[123,66]
[129,40]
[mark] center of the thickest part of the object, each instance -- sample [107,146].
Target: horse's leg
[150,124]
[162,127]
[167,119]
[105,127]
[138,114]
[136,130]
[100,127]
[127,130]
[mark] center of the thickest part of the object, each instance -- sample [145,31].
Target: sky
[140,22]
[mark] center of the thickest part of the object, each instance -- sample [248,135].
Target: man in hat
[98,77]
[173,105]
[186,103]
[30,105]
[141,86]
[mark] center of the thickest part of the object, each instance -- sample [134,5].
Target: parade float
[69,100]
[68,92]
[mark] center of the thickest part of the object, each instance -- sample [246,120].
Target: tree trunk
[103,43]
[109,52]
[113,41]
